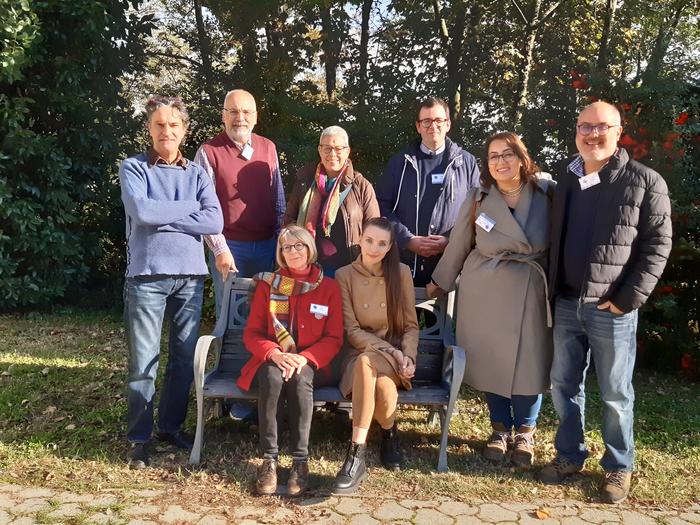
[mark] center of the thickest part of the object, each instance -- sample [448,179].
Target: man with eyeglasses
[611,237]
[245,170]
[423,187]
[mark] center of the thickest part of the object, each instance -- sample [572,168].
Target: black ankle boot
[353,472]
[390,450]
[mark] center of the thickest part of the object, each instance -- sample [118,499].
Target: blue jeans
[251,257]
[147,301]
[582,331]
[516,411]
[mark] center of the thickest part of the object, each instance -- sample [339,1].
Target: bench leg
[199,434]
[434,418]
[445,417]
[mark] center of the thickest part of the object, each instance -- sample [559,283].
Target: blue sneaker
[244,411]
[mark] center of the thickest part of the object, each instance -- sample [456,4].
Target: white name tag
[319,310]
[485,222]
[589,180]
[437,178]
[247,152]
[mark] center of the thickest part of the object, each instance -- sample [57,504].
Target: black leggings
[273,391]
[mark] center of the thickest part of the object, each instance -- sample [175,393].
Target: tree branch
[176,57]
[547,15]
[522,15]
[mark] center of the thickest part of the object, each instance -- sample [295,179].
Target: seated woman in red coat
[294,329]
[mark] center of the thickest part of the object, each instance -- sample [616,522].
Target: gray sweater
[168,210]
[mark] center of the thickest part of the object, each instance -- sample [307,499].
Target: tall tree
[532,24]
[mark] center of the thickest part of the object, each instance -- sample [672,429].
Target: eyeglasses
[245,112]
[601,129]
[508,156]
[298,246]
[338,150]
[427,122]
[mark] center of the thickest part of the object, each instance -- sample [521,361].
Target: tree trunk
[663,40]
[453,52]
[362,84]
[205,51]
[608,21]
[524,77]
[331,45]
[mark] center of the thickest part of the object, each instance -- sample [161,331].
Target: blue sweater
[168,209]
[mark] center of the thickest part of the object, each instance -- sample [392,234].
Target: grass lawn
[62,412]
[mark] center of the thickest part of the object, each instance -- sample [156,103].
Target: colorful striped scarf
[281,289]
[320,200]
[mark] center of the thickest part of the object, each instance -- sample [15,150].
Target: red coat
[318,340]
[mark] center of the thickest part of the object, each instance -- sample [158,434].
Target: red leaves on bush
[580,83]
[626,107]
[682,118]
[552,122]
[627,140]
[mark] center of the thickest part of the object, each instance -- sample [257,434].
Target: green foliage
[61,115]
[74,72]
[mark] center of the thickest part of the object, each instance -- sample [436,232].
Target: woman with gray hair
[332,201]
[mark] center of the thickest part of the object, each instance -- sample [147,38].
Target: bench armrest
[454,362]
[205,344]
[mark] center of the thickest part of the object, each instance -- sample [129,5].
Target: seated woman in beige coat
[381,331]
[499,246]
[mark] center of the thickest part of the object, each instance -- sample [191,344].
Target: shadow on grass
[64,399]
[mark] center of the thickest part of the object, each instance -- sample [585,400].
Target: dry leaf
[70,427]
[49,410]
[45,371]
[543,513]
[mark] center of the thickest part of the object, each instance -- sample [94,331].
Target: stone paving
[21,505]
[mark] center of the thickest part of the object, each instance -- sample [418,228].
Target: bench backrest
[434,318]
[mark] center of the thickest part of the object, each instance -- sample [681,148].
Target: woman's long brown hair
[392,278]
[528,168]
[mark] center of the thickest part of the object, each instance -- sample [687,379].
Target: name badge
[438,178]
[319,310]
[589,180]
[485,222]
[247,152]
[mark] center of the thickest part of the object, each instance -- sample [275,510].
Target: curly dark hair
[175,102]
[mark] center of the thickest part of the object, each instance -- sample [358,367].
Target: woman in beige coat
[381,331]
[499,246]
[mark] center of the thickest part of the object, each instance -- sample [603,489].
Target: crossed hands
[404,363]
[288,363]
[427,245]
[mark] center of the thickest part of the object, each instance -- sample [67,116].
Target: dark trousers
[273,393]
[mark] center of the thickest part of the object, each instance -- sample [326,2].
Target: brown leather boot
[266,483]
[298,480]
[524,446]
[616,487]
[497,445]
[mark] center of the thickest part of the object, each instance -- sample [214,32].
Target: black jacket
[631,237]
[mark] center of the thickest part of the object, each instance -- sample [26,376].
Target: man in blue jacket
[423,188]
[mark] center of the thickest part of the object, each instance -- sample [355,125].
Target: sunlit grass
[62,411]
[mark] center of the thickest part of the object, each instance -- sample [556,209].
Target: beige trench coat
[365,318]
[502,309]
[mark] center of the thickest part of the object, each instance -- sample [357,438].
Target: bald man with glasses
[611,237]
[244,168]
[423,188]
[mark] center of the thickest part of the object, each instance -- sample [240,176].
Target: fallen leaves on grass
[543,513]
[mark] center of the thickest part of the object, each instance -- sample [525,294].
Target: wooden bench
[439,366]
